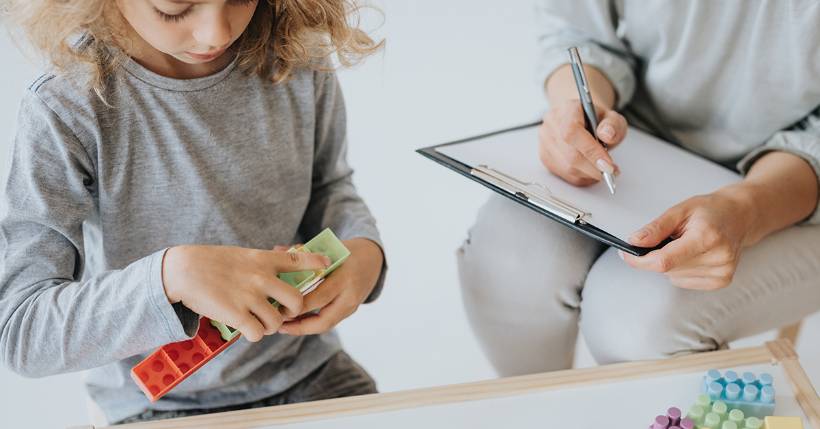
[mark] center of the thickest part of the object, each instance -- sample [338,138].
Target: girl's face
[194,32]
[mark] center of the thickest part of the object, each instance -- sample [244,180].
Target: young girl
[176,143]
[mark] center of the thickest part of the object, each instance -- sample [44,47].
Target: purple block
[661,422]
[674,415]
[672,420]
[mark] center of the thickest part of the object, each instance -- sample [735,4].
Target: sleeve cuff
[796,143]
[178,322]
[374,237]
[377,290]
[617,69]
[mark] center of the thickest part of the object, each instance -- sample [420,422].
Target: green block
[708,414]
[326,243]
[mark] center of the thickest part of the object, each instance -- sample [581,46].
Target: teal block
[749,393]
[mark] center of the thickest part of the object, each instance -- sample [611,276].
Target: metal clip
[535,193]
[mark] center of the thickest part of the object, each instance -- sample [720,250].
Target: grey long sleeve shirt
[728,79]
[95,194]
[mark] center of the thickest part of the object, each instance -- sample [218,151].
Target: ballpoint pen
[590,117]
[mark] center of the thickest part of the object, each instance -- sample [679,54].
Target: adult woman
[733,81]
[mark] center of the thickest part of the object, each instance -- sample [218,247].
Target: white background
[450,69]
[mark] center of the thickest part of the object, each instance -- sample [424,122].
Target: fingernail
[604,166]
[327,261]
[607,132]
[639,235]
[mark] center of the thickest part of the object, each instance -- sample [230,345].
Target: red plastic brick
[161,371]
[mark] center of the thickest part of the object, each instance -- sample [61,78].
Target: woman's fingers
[573,132]
[664,226]
[667,258]
[562,159]
[573,153]
[612,128]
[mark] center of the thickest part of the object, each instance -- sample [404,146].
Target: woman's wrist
[745,198]
[560,87]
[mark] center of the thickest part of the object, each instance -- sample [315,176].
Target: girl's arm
[51,321]
[334,201]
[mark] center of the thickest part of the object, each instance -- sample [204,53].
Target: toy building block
[326,243]
[778,422]
[751,394]
[158,373]
[708,414]
[672,420]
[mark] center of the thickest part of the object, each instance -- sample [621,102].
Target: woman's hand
[233,284]
[342,291]
[570,152]
[708,232]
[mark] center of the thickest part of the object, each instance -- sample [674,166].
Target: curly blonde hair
[296,33]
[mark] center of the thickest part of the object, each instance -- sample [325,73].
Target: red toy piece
[158,373]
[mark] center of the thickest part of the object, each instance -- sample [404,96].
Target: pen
[590,117]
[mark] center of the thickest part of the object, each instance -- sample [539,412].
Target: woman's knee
[629,315]
[512,245]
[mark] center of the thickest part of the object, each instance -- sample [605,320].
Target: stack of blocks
[748,393]
[730,403]
[161,371]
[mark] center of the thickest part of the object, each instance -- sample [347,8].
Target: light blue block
[753,395]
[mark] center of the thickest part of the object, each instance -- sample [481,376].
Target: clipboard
[655,175]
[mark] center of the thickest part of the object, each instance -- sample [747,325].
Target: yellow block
[778,422]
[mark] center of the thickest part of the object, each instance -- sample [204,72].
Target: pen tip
[610,182]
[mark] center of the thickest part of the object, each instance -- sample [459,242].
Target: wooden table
[384,409]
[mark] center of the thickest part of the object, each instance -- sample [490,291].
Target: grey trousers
[340,376]
[529,284]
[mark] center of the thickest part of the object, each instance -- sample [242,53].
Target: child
[175,145]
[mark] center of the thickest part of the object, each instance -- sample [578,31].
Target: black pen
[590,117]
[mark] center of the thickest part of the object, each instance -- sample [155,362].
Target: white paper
[655,176]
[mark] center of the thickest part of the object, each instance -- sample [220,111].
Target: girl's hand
[709,232]
[570,152]
[342,292]
[233,284]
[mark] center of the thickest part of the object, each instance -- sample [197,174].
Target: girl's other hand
[342,292]
[233,284]
[570,152]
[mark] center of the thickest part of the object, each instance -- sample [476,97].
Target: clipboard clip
[534,193]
